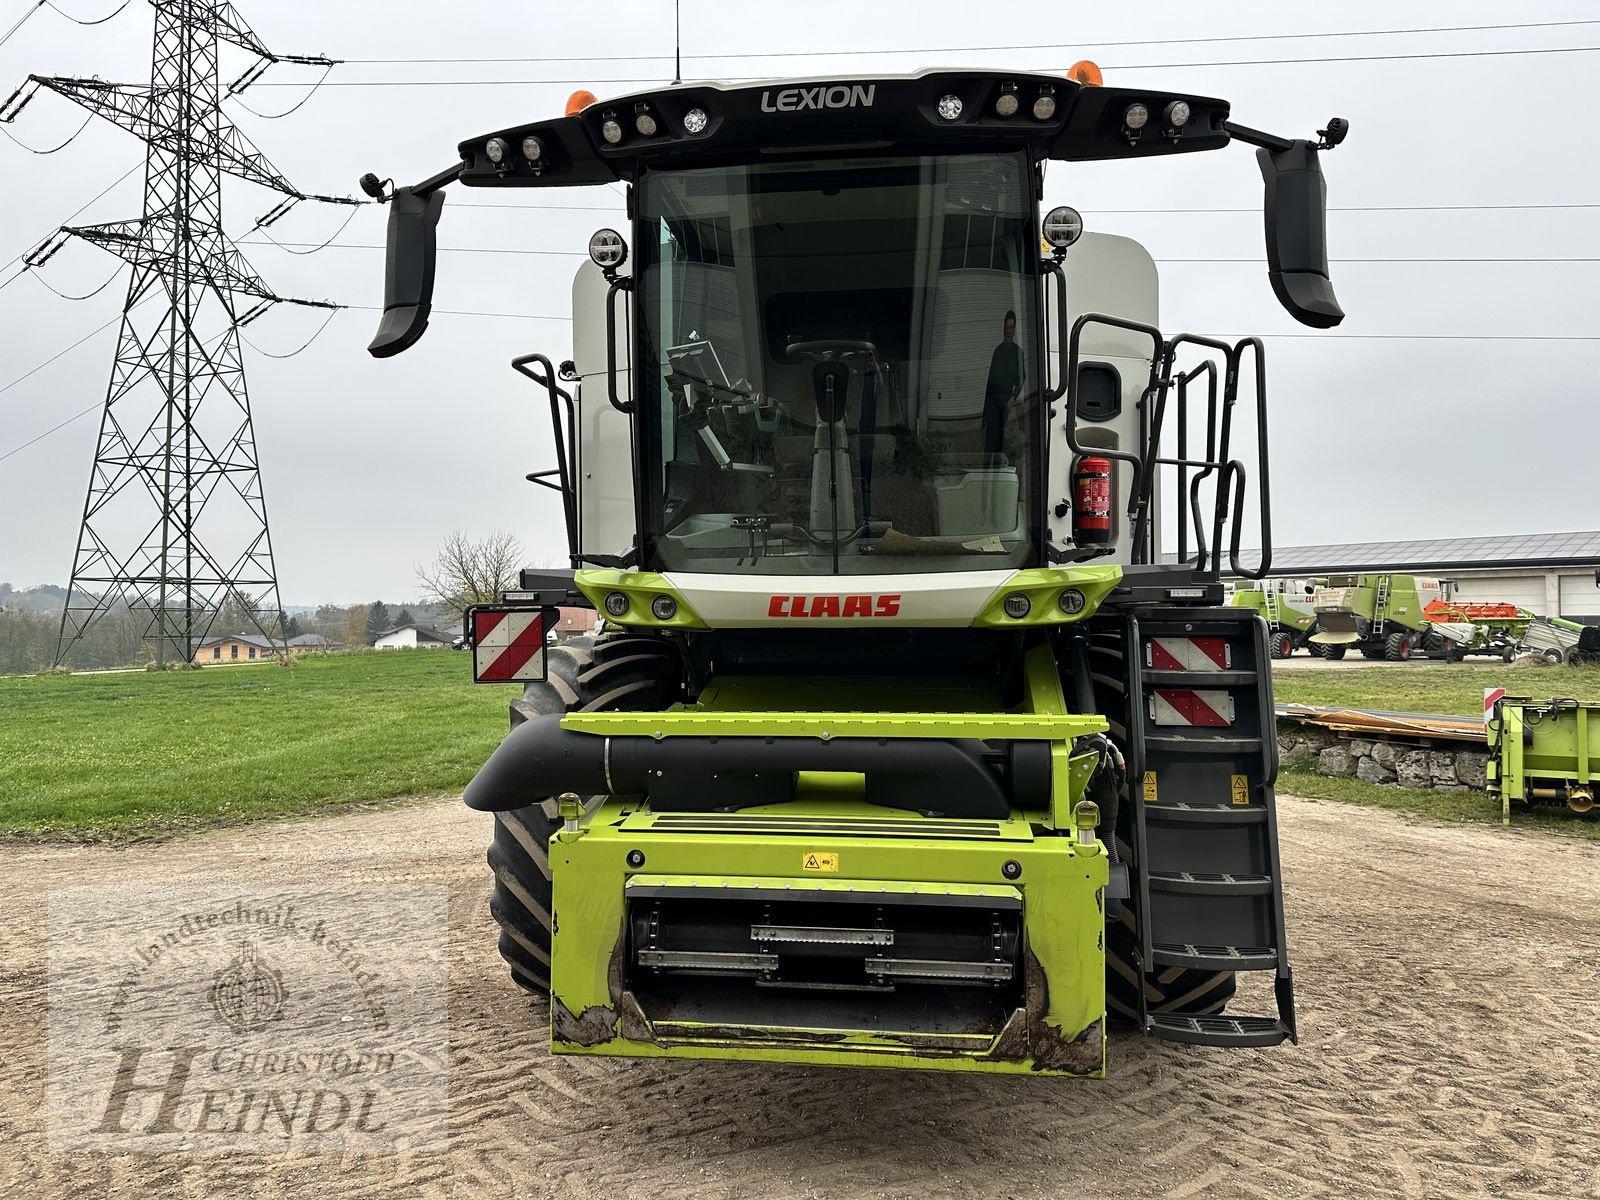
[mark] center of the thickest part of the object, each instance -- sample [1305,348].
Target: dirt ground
[1449,988]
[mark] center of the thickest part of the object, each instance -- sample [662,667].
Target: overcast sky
[368,464]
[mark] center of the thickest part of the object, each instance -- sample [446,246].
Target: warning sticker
[1239,785]
[816,860]
[1150,787]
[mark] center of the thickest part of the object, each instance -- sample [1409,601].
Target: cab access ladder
[1380,606]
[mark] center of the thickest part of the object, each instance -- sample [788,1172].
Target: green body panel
[1043,587]
[1290,612]
[1548,745]
[1059,1029]
[641,588]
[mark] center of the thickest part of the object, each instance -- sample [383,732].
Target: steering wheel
[827,350]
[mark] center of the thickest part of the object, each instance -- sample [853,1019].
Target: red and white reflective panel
[1491,697]
[507,645]
[1188,654]
[1211,709]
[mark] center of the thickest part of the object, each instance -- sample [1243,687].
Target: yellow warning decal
[1240,786]
[816,860]
[1150,787]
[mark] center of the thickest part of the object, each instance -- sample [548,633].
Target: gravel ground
[1449,981]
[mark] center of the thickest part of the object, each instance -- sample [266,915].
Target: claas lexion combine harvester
[899,745]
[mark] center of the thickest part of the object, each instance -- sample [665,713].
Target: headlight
[496,150]
[607,249]
[1062,226]
[532,149]
[1136,117]
[1071,601]
[664,608]
[950,107]
[617,604]
[611,131]
[695,120]
[1017,605]
[1178,114]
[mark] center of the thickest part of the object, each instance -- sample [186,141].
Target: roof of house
[309,639]
[1580,549]
[423,631]
[248,639]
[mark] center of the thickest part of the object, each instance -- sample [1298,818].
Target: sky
[1376,433]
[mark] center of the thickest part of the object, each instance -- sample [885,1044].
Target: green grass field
[144,753]
[134,753]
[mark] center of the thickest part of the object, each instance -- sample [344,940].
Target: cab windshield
[840,367]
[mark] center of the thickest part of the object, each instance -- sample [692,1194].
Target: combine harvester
[1287,608]
[1383,616]
[901,746]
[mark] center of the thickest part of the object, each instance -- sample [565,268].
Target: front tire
[1333,653]
[1176,990]
[614,671]
[1281,645]
[1397,647]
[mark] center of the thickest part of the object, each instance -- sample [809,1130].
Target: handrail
[566,446]
[1053,267]
[622,283]
[1136,461]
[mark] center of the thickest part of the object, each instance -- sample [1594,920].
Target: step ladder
[1380,606]
[1271,605]
[1189,694]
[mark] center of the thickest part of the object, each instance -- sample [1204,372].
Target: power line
[62,354]
[1257,260]
[1261,37]
[1236,62]
[84,206]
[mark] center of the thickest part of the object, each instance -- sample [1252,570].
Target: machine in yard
[1286,606]
[1478,627]
[1542,752]
[1383,616]
[900,746]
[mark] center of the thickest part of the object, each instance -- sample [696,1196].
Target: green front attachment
[827,930]
[1544,752]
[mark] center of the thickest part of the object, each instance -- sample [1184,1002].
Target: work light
[532,149]
[608,252]
[496,150]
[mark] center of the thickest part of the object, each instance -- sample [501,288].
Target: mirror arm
[1254,137]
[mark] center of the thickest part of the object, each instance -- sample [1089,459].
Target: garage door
[1525,591]
[1579,596]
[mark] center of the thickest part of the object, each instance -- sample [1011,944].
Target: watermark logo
[247,994]
[312,1020]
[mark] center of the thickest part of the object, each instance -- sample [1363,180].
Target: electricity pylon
[175,521]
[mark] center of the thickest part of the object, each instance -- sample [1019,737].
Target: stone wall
[1440,765]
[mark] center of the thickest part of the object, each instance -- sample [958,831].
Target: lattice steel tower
[175,521]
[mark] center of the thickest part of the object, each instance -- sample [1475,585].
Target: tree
[404,618]
[291,627]
[378,621]
[468,572]
[355,627]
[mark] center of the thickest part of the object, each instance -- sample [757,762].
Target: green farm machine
[1383,616]
[900,744]
[1286,606]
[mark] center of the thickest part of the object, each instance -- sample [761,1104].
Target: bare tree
[468,572]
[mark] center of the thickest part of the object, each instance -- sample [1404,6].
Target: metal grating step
[1214,958]
[1200,742]
[1219,1031]
[1164,813]
[1210,883]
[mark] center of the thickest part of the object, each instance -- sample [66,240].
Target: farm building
[412,637]
[1552,574]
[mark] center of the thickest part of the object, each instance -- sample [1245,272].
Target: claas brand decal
[836,96]
[834,606]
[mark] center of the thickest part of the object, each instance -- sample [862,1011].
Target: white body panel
[1116,276]
[605,446]
[951,598]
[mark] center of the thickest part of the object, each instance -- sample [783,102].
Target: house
[234,647]
[411,637]
[309,643]
[575,621]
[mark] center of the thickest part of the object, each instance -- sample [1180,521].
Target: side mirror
[408,270]
[1297,241]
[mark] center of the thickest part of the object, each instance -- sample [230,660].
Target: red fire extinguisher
[1091,501]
